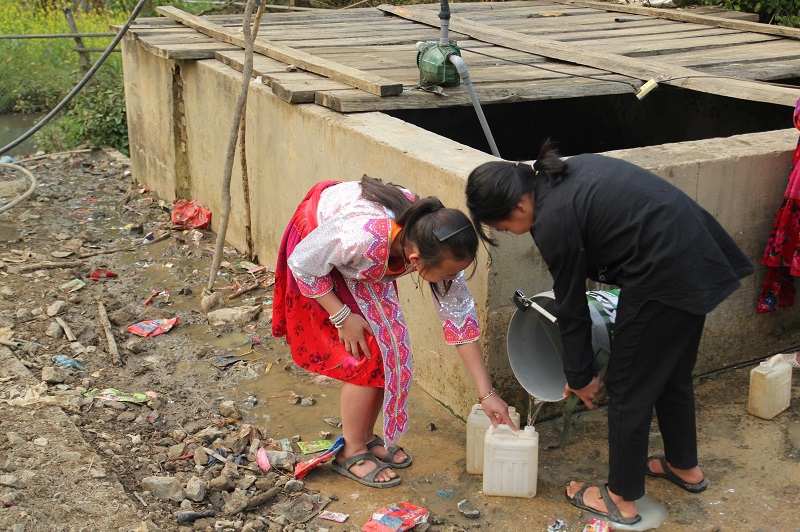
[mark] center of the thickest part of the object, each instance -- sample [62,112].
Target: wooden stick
[128,248]
[50,265]
[70,335]
[112,343]
[9,343]
[244,291]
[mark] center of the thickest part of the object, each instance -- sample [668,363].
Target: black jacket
[616,223]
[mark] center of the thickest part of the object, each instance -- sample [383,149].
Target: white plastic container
[770,388]
[510,461]
[477,423]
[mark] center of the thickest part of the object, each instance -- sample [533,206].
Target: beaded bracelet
[338,314]
[340,318]
[482,398]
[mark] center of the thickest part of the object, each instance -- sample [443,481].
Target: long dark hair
[436,231]
[495,188]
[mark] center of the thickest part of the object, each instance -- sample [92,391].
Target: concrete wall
[180,117]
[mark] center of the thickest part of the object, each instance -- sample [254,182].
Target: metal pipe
[461,67]
[444,17]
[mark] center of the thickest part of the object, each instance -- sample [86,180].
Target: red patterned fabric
[782,253]
[313,339]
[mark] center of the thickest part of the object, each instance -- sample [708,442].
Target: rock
[55,331]
[221,483]
[12,481]
[236,316]
[467,510]
[23,314]
[7,292]
[229,409]
[263,498]
[235,502]
[212,302]
[200,456]
[53,375]
[308,401]
[196,489]
[56,308]
[115,405]
[282,460]
[135,346]
[209,434]
[14,438]
[176,451]
[264,484]
[293,486]
[245,482]
[164,488]
[41,442]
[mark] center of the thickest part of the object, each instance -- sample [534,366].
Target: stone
[212,302]
[164,488]
[210,434]
[23,314]
[467,510]
[246,481]
[54,331]
[233,317]
[176,451]
[14,438]
[235,502]
[7,292]
[308,401]
[200,456]
[282,460]
[293,486]
[53,375]
[56,308]
[221,483]
[12,481]
[195,489]
[229,409]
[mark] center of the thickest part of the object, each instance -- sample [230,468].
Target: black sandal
[670,475]
[612,514]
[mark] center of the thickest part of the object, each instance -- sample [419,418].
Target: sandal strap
[611,507]
[377,441]
[347,463]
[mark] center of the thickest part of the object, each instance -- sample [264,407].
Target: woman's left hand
[497,410]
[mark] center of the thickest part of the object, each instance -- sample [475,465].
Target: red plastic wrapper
[396,518]
[596,525]
[152,327]
[102,274]
[190,214]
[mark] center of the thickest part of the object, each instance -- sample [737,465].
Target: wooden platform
[359,60]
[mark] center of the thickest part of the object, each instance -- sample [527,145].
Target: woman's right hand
[353,335]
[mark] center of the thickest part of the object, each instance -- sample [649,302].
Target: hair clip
[443,234]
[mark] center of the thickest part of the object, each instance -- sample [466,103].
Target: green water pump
[434,68]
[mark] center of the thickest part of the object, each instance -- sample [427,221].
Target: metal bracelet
[482,398]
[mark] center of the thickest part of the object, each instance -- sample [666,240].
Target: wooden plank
[293,87]
[351,101]
[683,16]
[344,74]
[574,53]
[190,52]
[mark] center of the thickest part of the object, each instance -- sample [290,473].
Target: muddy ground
[76,456]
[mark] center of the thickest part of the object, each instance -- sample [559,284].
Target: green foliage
[96,117]
[35,74]
[782,12]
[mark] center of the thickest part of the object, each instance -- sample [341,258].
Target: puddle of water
[653,514]
[8,232]
[14,125]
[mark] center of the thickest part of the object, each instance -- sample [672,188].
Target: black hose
[80,84]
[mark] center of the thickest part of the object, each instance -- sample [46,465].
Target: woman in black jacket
[611,221]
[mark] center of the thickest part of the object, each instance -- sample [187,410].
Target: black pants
[651,364]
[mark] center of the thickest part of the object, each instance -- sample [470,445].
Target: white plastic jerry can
[477,423]
[770,388]
[510,461]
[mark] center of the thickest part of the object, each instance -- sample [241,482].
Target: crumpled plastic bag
[34,396]
[190,214]
[152,327]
